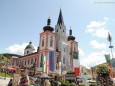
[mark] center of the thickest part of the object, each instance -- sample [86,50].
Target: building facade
[56,46]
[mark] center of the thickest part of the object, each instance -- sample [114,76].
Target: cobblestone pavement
[3,81]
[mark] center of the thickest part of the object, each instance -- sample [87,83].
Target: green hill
[7,56]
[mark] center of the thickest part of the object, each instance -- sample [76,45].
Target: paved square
[4,82]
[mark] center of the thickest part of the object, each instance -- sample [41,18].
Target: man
[24,80]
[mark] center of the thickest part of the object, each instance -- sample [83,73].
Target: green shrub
[81,84]
[92,84]
[72,84]
[64,83]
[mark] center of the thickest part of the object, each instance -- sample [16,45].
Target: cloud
[81,52]
[98,28]
[17,48]
[97,45]
[92,59]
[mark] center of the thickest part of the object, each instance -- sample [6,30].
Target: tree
[103,78]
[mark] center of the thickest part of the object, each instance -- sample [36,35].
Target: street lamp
[34,65]
[109,38]
[4,68]
[111,47]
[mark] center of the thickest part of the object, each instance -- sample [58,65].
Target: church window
[63,30]
[27,52]
[57,60]
[41,61]
[28,61]
[32,61]
[74,48]
[57,30]
[35,60]
[60,27]
[51,41]
[42,42]
[63,60]
[59,36]
[25,62]
[64,49]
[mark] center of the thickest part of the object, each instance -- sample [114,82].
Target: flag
[107,57]
[43,63]
[75,54]
[60,68]
[91,71]
[51,61]
[47,66]
[76,63]
[77,71]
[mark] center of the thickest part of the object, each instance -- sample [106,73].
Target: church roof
[48,27]
[60,18]
[70,37]
[30,46]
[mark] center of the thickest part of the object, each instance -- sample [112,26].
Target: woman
[10,82]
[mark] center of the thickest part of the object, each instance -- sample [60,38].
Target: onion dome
[30,46]
[70,37]
[48,27]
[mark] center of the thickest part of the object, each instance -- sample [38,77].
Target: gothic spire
[60,19]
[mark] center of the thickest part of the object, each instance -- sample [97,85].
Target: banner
[47,66]
[76,63]
[77,71]
[107,57]
[43,63]
[91,71]
[51,61]
[75,54]
[60,68]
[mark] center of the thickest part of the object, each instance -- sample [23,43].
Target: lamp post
[4,68]
[109,38]
[34,65]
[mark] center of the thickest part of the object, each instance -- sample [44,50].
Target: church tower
[62,43]
[74,53]
[47,46]
[60,30]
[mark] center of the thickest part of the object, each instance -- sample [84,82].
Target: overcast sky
[22,21]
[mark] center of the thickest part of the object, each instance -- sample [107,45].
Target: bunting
[107,57]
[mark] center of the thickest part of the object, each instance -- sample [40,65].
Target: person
[10,83]
[24,80]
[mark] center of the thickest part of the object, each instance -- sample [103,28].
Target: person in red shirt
[24,80]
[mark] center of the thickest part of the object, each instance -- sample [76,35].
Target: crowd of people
[25,80]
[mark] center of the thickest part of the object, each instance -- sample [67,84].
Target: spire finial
[60,18]
[48,21]
[70,31]
[30,42]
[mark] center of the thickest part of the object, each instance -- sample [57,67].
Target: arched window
[28,61]
[32,61]
[25,62]
[74,48]
[42,42]
[57,60]
[41,60]
[51,41]
[27,52]
[63,60]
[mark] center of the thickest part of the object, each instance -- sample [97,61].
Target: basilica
[60,50]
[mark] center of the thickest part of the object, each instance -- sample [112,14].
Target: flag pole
[111,47]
